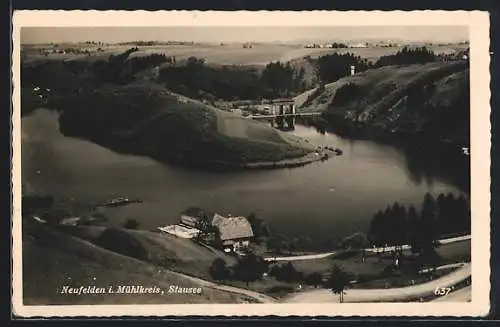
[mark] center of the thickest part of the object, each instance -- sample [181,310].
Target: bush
[249,268]
[286,273]
[314,279]
[357,240]
[131,224]
[346,93]
[219,270]
[281,289]
[314,94]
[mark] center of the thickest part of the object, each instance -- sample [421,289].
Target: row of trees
[396,225]
[120,69]
[330,68]
[199,80]
[249,268]
[66,77]
[280,243]
[339,45]
[259,227]
[252,268]
[407,56]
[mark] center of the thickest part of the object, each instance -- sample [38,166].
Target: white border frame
[478,23]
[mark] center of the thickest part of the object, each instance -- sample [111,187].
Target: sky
[242,34]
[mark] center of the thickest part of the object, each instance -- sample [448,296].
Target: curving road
[302,257]
[443,267]
[262,298]
[324,295]
[385,295]
[376,250]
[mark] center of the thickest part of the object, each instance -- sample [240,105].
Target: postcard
[189,163]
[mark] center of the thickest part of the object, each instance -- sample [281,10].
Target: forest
[437,218]
[198,80]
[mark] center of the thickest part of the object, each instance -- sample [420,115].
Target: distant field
[213,54]
[260,54]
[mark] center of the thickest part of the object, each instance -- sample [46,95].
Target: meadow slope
[147,119]
[422,98]
[52,259]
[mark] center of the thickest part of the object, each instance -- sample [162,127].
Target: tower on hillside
[353,70]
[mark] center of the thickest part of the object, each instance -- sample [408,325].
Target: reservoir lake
[325,201]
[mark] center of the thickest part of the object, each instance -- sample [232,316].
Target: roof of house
[232,227]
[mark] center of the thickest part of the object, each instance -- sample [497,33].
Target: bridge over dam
[283,113]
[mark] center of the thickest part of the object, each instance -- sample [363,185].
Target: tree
[250,268]
[357,241]
[337,281]
[376,232]
[219,270]
[444,213]
[429,234]
[30,204]
[259,227]
[314,279]
[290,274]
[131,224]
[303,242]
[273,245]
[407,56]
[463,214]
[398,226]
[414,229]
[286,273]
[387,230]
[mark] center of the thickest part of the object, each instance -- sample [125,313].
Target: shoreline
[320,153]
[295,162]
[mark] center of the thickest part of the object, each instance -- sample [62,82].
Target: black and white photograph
[226,163]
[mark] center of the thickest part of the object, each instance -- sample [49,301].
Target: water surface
[324,200]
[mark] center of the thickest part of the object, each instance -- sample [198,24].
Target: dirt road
[385,295]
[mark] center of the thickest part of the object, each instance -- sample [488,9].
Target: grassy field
[52,259]
[374,265]
[235,54]
[94,255]
[161,249]
[377,82]
[168,252]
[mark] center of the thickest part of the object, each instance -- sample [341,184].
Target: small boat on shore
[119,201]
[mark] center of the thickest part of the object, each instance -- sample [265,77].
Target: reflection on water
[326,200]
